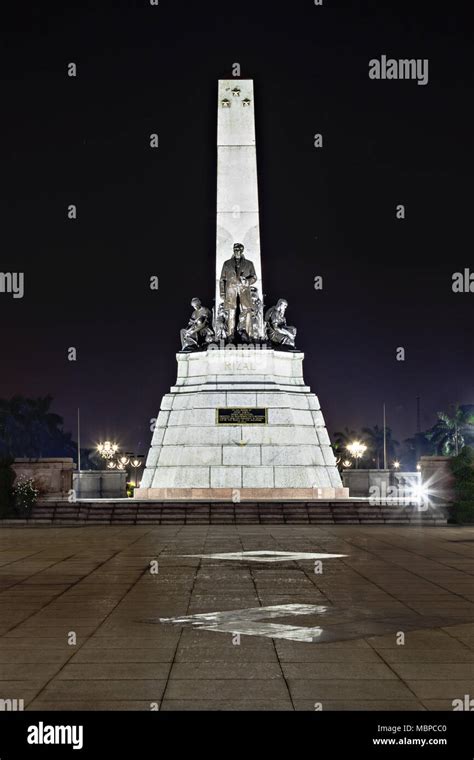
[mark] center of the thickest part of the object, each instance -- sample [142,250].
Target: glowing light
[347,463]
[420,493]
[107,450]
[357,450]
[396,464]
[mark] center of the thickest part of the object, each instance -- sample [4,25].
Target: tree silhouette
[28,428]
[373,437]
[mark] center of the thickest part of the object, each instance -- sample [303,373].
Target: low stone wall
[362,483]
[52,475]
[435,478]
[359,482]
[100,484]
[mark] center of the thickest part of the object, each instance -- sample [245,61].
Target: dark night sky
[144,69]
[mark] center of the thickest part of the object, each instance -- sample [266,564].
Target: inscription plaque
[241,415]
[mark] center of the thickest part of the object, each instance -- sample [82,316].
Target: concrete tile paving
[75,605]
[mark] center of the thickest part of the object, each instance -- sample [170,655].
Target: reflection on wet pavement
[247,622]
[267,556]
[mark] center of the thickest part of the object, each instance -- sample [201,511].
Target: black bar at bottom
[223,734]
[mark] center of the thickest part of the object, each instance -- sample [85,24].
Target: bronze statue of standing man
[237,277]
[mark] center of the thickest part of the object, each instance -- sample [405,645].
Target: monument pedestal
[280,450]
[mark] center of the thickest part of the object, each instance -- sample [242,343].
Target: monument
[240,423]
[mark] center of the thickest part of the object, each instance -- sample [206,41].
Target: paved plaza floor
[105,617]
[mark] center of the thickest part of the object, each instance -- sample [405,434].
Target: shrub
[26,494]
[462,467]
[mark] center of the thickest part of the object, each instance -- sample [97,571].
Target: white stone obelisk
[237,184]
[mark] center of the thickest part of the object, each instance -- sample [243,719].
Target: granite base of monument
[240,424]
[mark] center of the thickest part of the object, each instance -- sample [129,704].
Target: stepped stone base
[133,512]
[194,456]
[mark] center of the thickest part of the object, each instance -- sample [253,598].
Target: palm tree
[449,433]
[374,438]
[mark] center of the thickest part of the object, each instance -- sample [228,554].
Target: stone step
[219,513]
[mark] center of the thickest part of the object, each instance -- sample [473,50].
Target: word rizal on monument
[240,417]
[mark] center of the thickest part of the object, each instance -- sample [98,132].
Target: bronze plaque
[241,415]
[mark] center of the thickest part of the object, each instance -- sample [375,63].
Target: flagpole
[78,451]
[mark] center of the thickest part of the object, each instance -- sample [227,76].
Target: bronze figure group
[239,316]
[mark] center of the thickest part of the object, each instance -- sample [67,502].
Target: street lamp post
[136,463]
